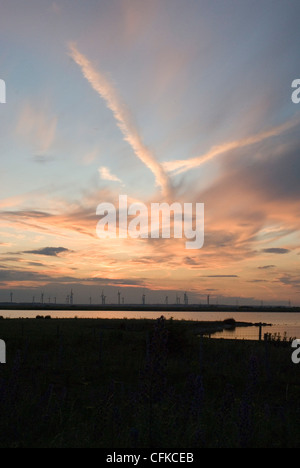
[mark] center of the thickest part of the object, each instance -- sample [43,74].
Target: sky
[163,101]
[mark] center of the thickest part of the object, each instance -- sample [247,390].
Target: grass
[143,383]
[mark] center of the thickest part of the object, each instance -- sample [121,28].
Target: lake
[282,323]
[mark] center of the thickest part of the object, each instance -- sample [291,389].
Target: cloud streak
[124,121]
[278,251]
[105,174]
[180,166]
[219,276]
[49,251]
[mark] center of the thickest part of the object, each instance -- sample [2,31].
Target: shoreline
[198,328]
[146,308]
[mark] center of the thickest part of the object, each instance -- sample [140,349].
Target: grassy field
[142,383]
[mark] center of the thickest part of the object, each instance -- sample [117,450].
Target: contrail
[179,166]
[110,95]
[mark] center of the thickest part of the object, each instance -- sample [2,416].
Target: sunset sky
[160,100]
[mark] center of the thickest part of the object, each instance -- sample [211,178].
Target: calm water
[288,323]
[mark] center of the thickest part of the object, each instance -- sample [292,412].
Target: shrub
[230,323]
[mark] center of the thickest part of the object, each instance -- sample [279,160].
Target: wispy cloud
[278,251]
[180,166]
[290,280]
[35,278]
[220,276]
[109,94]
[38,128]
[105,174]
[49,251]
[43,159]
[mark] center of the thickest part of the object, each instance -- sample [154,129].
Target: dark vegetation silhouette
[143,383]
